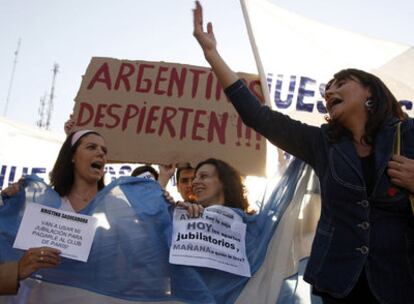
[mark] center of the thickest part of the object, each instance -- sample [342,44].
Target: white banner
[215,240]
[299,56]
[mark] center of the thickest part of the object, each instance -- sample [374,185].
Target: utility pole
[51,97]
[46,108]
[16,53]
[40,123]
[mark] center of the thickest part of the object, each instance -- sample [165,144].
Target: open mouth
[97,165]
[334,102]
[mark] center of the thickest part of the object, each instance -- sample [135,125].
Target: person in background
[363,247]
[184,176]
[145,171]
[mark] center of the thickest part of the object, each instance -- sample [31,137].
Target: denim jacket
[356,230]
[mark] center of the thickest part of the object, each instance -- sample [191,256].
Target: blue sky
[71,32]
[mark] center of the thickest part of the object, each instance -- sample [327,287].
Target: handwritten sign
[69,232]
[168,113]
[215,240]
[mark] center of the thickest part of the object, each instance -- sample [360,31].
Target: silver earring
[369,104]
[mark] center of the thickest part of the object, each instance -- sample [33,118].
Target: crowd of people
[363,250]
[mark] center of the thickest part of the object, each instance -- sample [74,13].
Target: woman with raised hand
[363,251]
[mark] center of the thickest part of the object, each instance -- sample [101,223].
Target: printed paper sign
[215,240]
[70,232]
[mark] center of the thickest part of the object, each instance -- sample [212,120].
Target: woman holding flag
[77,176]
[363,251]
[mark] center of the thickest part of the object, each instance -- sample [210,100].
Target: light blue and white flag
[129,255]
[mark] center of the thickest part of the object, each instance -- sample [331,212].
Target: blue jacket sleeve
[292,136]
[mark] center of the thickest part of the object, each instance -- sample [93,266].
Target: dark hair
[145,168]
[62,175]
[233,187]
[384,105]
[181,167]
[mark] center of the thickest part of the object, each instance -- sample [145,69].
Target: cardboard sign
[69,232]
[156,112]
[215,240]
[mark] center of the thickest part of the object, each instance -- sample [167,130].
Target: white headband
[146,175]
[77,135]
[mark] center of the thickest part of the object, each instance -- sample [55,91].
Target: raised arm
[166,172]
[208,44]
[292,136]
[69,124]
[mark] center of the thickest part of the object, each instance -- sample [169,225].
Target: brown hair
[62,175]
[233,187]
[384,105]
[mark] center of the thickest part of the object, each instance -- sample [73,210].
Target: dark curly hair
[233,187]
[62,175]
[384,105]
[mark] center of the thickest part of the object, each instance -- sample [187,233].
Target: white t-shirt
[66,205]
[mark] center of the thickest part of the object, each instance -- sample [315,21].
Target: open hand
[165,174]
[206,40]
[193,209]
[37,258]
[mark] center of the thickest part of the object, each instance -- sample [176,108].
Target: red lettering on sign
[125,71]
[178,81]
[113,115]
[99,115]
[102,75]
[217,127]
[141,119]
[198,125]
[184,121]
[160,79]
[149,129]
[196,78]
[131,111]
[168,114]
[146,81]
[209,85]
[87,109]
